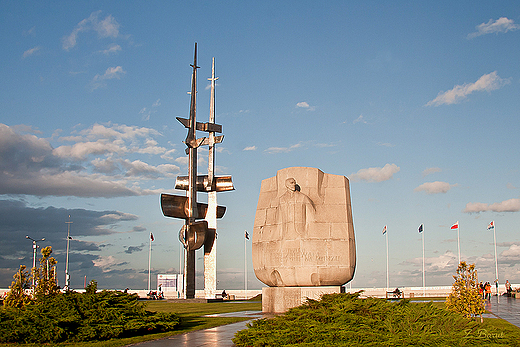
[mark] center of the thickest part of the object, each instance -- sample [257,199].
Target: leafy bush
[346,320]
[464,297]
[17,297]
[73,316]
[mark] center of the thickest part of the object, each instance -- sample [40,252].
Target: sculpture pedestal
[280,299]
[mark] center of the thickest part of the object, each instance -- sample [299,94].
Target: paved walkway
[505,308]
[214,337]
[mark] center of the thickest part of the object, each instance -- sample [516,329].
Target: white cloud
[376,174]
[283,149]
[119,216]
[385,144]
[80,151]
[511,205]
[112,49]
[434,187]
[116,131]
[431,170]
[305,105]
[250,148]
[146,113]
[501,25]
[30,52]
[360,119]
[511,255]
[182,160]
[106,262]
[112,72]
[30,166]
[168,155]
[487,83]
[108,27]
[138,168]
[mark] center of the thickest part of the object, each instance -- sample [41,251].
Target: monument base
[280,299]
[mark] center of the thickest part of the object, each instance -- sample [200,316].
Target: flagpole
[149,262]
[458,241]
[245,264]
[423,273]
[387,273]
[496,258]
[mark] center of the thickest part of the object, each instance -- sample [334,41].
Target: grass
[192,318]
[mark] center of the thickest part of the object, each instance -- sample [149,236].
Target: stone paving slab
[213,337]
[505,308]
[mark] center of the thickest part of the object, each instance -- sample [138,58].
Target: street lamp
[67,276]
[34,253]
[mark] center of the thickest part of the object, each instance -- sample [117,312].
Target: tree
[45,275]
[17,297]
[464,297]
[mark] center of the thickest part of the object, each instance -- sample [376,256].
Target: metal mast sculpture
[197,232]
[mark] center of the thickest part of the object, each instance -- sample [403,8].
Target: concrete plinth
[280,299]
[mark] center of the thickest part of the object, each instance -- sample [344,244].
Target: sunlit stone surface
[303,233]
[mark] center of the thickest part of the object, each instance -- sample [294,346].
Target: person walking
[487,288]
[508,288]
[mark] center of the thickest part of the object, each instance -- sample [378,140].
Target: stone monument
[303,237]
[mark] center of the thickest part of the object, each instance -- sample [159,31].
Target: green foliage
[17,297]
[73,316]
[91,287]
[347,320]
[464,298]
[45,275]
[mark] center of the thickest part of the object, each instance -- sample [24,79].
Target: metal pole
[245,264]
[34,263]
[210,244]
[192,143]
[458,241]
[67,276]
[496,257]
[35,246]
[387,273]
[423,273]
[149,262]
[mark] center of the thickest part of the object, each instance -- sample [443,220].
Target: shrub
[464,298]
[17,297]
[346,320]
[73,316]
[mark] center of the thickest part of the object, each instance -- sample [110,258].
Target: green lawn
[191,319]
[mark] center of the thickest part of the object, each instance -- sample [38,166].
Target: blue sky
[417,103]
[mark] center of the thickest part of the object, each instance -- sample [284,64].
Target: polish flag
[455,226]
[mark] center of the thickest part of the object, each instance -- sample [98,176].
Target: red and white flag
[151,237]
[491,225]
[455,226]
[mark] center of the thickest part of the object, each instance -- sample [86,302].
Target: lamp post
[35,246]
[67,276]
